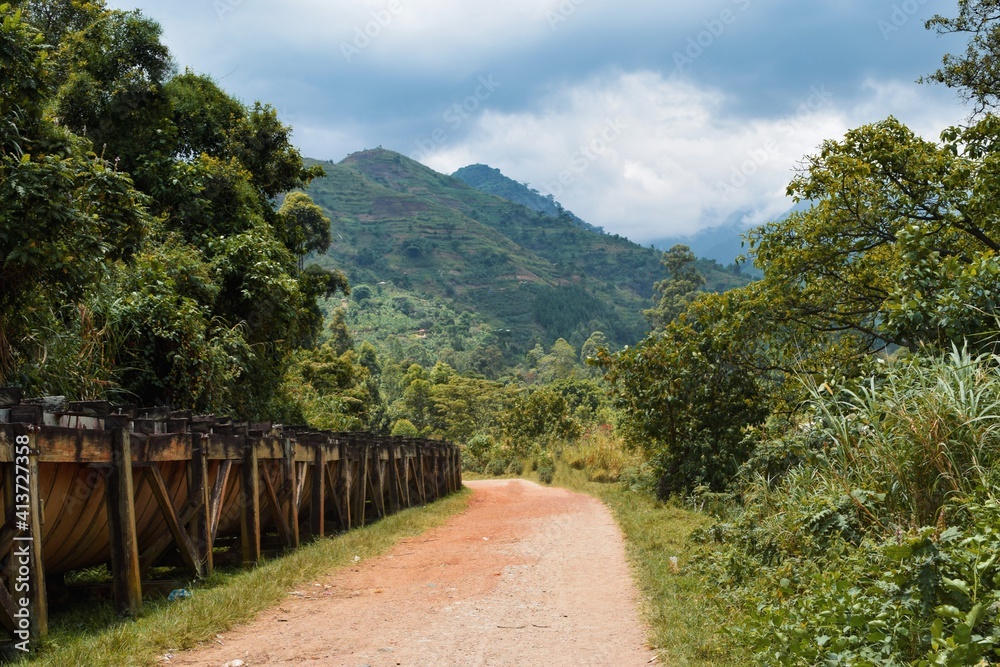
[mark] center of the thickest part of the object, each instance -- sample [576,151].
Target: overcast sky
[647,117]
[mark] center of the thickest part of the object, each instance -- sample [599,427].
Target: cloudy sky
[648,117]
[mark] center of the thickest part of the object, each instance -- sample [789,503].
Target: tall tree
[674,293]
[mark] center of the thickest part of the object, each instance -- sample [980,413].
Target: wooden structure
[135,487]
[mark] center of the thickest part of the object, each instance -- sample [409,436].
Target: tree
[686,396]
[681,286]
[306,228]
[340,336]
[975,74]
[559,364]
[64,212]
[896,221]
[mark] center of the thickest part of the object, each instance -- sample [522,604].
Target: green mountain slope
[533,276]
[492,181]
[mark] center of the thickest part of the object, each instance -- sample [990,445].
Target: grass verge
[224,600]
[685,621]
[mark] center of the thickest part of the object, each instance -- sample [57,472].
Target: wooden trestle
[133,487]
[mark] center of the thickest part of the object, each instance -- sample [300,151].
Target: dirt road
[527,575]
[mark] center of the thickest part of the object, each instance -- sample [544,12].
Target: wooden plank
[198,489]
[67,445]
[269,448]
[317,501]
[393,471]
[272,497]
[7,611]
[335,496]
[161,447]
[224,447]
[189,554]
[250,507]
[291,490]
[218,496]
[346,490]
[153,552]
[121,526]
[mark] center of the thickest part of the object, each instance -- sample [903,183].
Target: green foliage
[875,542]
[674,294]
[306,229]
[164,250]
[685,398]
[975,73]
[405,428]
[534,276]
[899,241]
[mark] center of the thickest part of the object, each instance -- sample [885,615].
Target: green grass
[685,620]
[95,638]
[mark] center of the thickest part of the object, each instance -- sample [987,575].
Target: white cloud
[648,156]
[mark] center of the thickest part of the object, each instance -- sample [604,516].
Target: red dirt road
[527,575]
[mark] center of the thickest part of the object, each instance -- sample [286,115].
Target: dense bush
[878,540]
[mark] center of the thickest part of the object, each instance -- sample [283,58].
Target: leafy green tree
[685,397]
[680,287]
[895,221]
[536,414]
[559,364]
[590,349]
[306,228]
[64,213]
[340,337]
[975,73]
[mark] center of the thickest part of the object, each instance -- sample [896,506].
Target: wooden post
[317,505]
[364,471]
[39,600]
[201,494]
[250,507]
[120,503]
[348,492]
[291,483]
[393,478]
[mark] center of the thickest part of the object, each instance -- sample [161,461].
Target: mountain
[492,181]
[533,276]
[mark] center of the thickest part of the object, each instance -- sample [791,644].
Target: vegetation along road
[527,575]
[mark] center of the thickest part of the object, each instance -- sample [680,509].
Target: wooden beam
[336,498]
[189,554]
[317,503]
[198,490]
[272,497]
[250,506]
[121,526]
[218,496]
[291,484]
[152,553]
[7,610]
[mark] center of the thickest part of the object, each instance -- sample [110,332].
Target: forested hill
[491,181]
[542,277]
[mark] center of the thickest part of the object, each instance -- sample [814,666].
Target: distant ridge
[533,276]
[492,181]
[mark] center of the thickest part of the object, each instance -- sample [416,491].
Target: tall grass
[869,534]
[923,434]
